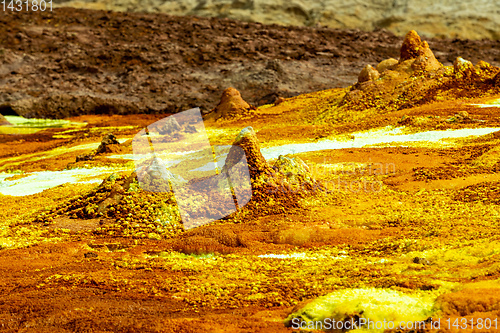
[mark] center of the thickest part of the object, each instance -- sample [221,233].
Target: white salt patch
[491,104]
[211,166]
[298,256]
[376,137]
[6,175]
[37,182]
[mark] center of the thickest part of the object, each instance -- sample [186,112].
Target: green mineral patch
[21,125]
[376,305]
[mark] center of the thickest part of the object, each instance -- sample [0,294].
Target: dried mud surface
[72,61]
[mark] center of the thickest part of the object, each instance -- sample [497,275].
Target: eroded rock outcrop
[418,78]
[450,19]
[368,74]
[68,105]
[463,67]
[109,144]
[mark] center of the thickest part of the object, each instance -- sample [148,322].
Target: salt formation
[154,211]
[231,106]
[418,78]
[415,56]
[248,142]
[418,53]
[109,144]
[297,172]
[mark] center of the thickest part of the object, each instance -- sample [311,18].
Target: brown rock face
[368,74]
[248,142]
[230,106]
[67,105]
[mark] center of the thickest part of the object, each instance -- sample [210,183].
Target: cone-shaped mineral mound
[295,170]
[3,121]
[123,209]
[126,209]
[248,142]
[411,45]
[108,144]
[275,188]
[155,177]
[419,52]
[231,106]
[170,126]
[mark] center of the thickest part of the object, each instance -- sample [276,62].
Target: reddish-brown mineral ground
[374,164]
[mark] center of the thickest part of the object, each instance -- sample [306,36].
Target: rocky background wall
[449,18]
